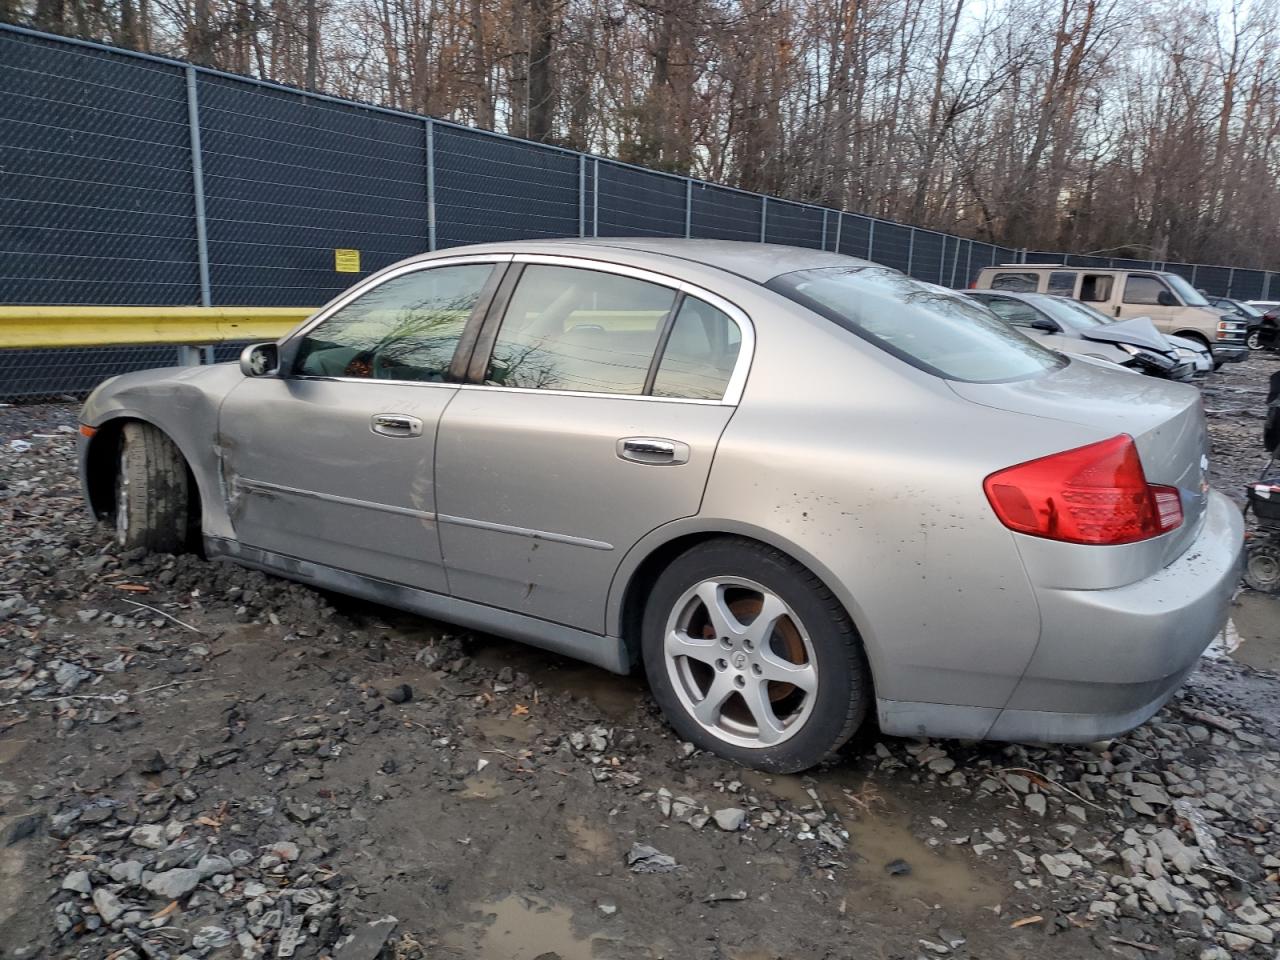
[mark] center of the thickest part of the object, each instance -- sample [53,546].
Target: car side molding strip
[602,651]
[526,532]
[267,489]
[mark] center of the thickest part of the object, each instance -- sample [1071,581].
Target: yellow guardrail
[24,327]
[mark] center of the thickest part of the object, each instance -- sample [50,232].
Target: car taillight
[1096,494]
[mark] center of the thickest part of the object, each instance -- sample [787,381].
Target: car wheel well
[646,575]
[102,463]
[1195,335]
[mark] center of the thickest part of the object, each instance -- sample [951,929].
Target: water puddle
[523,928]
[1257,620]
[507,729]
[479,786]
[787,787]
[590,843]
[940,876]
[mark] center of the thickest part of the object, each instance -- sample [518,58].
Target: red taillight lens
[1096,494]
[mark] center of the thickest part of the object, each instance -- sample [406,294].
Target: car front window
[405,328]
[932,330]
[1189,294]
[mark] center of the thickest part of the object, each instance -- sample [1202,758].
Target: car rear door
[599,394]
[333,461]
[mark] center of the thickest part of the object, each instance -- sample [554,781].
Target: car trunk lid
[1166,421]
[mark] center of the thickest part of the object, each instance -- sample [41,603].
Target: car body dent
[184,403]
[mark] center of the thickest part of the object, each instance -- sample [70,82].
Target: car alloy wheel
[1254,340]
[740,662]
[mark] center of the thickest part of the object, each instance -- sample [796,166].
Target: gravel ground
[197,760]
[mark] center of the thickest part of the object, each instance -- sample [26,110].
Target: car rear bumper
[1109,659]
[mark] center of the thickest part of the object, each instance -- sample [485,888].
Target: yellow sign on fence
[346,261]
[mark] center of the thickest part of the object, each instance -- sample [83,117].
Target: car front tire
[152,491]
[751,657]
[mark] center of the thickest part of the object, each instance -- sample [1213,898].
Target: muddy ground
[197,760]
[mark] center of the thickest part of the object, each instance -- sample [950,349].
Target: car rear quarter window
[699,355]
[579,330]
[1016,282]
[405,328]
[943,333]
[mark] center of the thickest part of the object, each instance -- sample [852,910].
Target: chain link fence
[133,179]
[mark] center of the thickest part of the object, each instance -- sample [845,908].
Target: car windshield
[1081,314]
[1248,309]
[1064,311]
[934,330]
[1189,294]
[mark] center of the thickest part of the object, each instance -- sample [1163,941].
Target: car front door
[333,460]
[599,395]
[1141,298]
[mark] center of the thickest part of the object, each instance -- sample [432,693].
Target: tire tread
[158,490]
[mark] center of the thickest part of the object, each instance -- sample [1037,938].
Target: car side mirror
[1043,325]
[1166,299]
[260,360]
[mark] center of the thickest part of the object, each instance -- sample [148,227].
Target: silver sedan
[796,488]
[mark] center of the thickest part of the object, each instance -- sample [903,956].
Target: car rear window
[940,332]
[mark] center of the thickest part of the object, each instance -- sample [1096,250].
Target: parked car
[1108,356]
[1263,317]
[794,486]
[1069,326]
[1172,304]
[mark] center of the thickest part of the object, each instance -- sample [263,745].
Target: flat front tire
[151,491]
[751,657]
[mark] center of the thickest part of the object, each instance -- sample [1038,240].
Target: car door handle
[653,450]
[395,425]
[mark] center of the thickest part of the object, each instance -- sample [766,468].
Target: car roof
[1069,266]
[759,262]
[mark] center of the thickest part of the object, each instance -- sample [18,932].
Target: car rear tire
[151,491]
[751,657]
[1262,567]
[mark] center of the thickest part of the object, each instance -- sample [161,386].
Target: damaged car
[1074,327]
[796,489]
